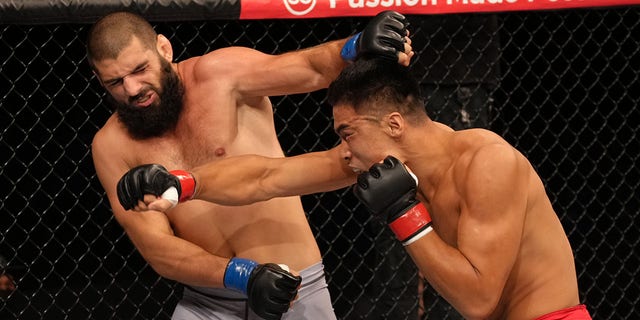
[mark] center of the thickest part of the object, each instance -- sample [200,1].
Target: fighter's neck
[429,154]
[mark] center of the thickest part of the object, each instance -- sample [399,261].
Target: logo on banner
[299,7]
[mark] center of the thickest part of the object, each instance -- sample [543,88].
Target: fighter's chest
[189,145]
[181,153]
[207,138]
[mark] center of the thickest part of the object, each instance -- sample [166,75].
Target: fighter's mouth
[145,99]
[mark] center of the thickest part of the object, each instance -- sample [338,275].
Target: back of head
[377,87]
[113,32]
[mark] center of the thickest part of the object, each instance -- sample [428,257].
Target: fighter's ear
[395,124]
[163,45]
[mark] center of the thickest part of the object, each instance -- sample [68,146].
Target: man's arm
[237,180]
[255,74]
[269,287]
[251,178]
[472,275]
[150,231]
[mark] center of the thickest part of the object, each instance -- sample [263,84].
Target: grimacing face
[158,117]
[144,90]
[363,136]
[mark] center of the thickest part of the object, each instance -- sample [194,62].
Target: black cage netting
[562,86]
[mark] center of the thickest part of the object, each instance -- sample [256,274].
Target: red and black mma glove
[154,179]
[268,287]
[382,37]
[388,190]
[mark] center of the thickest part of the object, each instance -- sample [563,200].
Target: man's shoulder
[110,127]
[478,133]
[112,135]
[480,146]
[113,150]
[223,60]
[222,57]
[472,140]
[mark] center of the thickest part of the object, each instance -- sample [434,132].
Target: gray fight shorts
[203,303]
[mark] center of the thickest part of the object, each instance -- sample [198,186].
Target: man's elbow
[479,313]
[479,308]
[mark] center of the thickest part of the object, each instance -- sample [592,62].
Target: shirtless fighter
[473,215]
[206,108]
[479,225]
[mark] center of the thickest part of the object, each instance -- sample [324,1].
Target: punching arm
[236,180]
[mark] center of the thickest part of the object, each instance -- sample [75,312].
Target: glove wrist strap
[187,184]
[412,225]
[237,273]
[349,51]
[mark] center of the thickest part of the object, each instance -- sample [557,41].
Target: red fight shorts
[578,312]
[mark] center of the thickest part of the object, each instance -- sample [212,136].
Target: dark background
[561,86]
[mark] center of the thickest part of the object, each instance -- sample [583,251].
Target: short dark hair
[113,32]
[377,86]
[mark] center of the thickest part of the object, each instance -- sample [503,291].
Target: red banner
[300,9]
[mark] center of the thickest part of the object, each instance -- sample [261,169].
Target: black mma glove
[389,191]
[154,179]
[383,36]
[268,287]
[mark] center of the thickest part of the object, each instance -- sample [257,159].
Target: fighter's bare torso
[542,277]
[216,122]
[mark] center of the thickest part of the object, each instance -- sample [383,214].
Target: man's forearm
[326,59]
[177,259]
[250,178]
[233,181]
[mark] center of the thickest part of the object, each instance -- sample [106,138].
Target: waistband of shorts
[578,312]
[312,275]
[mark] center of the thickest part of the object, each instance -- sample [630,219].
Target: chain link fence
[561,86]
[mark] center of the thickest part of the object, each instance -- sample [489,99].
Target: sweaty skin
[226,113]
[498,250]
[223,115]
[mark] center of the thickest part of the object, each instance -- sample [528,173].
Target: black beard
[155,120]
